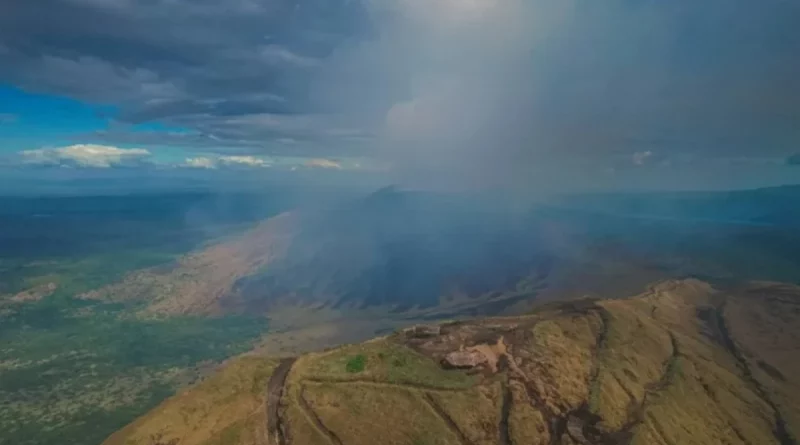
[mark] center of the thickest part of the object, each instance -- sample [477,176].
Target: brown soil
[275,389]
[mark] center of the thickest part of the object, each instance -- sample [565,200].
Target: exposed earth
[681,363]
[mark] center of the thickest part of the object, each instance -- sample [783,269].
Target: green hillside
[682,363]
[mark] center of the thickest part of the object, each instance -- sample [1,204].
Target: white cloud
[86,155]
[291,163]
[226,161]
[323,163]
[199,162]
[243,161]
[640,157]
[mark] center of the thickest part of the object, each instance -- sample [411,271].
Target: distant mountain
[682,363]
[772,206]
[393,249]
[400,250]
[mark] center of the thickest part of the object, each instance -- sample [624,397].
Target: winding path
[276,431]
[781,431]
[314,418]
[451,424]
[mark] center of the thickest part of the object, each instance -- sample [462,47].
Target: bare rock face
[575,430]
[464,359]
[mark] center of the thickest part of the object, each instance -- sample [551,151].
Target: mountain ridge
[683,362]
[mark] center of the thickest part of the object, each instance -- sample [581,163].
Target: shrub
[356,364]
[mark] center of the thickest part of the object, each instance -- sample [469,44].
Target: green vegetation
[74,275]
[74,372]
[84,242]
[356,364]
[388,362]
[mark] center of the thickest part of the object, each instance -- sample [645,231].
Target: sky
[554,95]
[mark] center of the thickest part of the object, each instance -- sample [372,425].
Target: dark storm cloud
[793,159]
[512,89]
[242,135]
[195,63]
[525,88]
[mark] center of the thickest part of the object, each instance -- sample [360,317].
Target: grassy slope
[763,320]
[680,364]
[674,368]
[384,361]
[225,409]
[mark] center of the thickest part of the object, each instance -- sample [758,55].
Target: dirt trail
[504,436]
[555,425]
[368,382]
[601,343]
[638,411]
[781,431]
[451,424]
[276,434]
[332,437]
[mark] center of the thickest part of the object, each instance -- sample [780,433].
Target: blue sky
[33,120]
[521,93]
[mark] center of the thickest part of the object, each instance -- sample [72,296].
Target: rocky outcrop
[575,430]
[464,359]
